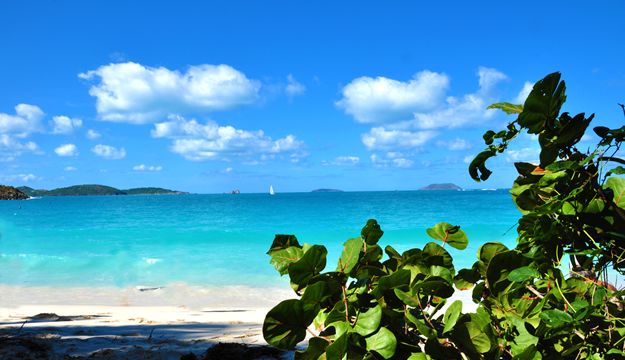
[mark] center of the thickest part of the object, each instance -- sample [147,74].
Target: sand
[152,323]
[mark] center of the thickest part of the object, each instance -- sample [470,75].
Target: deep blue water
[221,239]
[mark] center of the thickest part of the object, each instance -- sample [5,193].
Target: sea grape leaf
[434,286]
[477,168]
[449,234]
[555,318]
[400,278]
[281,241]
[281,259]
[437,255]
[409,298]
[451,315]
[371,232]
[543,103]
[368,321]
[617,185]
[338,349]
[499,268]
[316,347]
[383,342]
[285,325]
[478,337]
[507,107]
[523,273]
[466,278]
[311,263]
[350,255]
[315,294]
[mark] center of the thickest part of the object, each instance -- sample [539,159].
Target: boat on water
[271,192]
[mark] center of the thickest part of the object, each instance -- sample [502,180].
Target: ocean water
[217,240]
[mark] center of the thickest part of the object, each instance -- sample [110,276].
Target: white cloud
[469,109]
[455,144]
[70,168]
[150,168]
[133,93]
[109,152]
[92,134]
[527,154]
[27,119]
[380,138]
[210,141]
[402,163]
[393,159]
[227,170]
[66,150]
[293,87]
[467,159]
[524,93]
[384,100]
[10,147]
[343,161]
[18,177]
[65,125]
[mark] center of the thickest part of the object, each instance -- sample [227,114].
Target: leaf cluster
[380,304]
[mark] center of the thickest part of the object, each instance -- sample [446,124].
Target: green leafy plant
[396,306]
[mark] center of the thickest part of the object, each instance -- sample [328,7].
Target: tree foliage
[380,304]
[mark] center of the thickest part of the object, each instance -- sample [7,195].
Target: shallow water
[221,239]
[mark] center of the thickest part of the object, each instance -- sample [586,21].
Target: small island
[11,193]
[444,186]
[95,190]
[326,190]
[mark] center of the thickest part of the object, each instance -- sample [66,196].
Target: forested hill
[94,189]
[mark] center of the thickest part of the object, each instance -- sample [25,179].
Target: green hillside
[94,189]
[151,191]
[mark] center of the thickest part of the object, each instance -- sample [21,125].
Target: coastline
[161,323]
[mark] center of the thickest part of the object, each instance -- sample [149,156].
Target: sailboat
[271,192]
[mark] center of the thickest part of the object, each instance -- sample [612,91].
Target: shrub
[572,206]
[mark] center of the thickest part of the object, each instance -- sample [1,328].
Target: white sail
[271,192]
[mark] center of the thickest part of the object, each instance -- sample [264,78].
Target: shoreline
[153,323]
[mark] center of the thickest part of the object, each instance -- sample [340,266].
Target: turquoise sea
[221,239]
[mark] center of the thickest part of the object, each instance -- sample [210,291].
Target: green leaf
[478,338]
[350,255]
[451,315]
[449,234]
[617,185]
[368,321]
[507,107]
[338,349]
[281,259]
[315,294]
[312,263]
[543,103]
[619,170]
[282,242]
[555,318]
[371,232]
[409,298]
[400,278]
[522,274]
[477,168]
[383,342]
[316,347]
[285,325]
[436,255]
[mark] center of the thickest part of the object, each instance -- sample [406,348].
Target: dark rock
[235,351]
[11,193]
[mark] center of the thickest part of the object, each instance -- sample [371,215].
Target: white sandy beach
[173,320]
[168,321]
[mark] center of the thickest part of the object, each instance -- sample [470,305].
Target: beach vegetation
[549,297]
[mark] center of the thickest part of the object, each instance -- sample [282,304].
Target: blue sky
[211,96]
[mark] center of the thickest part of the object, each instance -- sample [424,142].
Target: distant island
[85,190]
[327,190]
[11,193]
[445,186]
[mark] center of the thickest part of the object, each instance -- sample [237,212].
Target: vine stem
[345,303]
